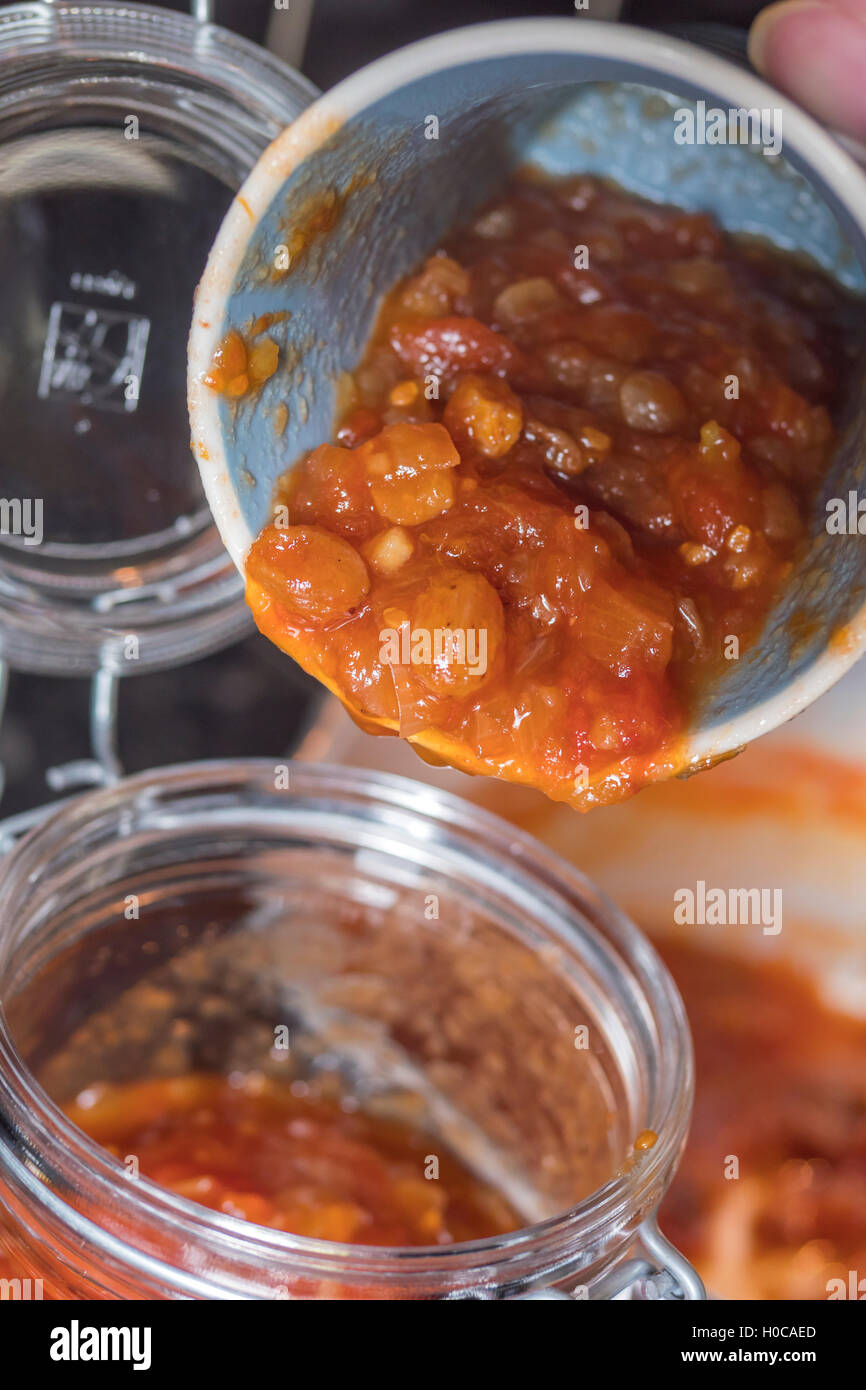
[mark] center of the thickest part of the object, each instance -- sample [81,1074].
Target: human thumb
[815,50]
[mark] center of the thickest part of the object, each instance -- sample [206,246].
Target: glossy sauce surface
[583,442]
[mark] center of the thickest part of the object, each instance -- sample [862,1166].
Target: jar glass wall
[420,950]
[125,131]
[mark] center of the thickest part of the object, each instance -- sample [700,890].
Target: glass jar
[421,950]
[125,131]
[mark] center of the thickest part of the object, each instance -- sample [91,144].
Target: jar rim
[46,1130]
[107,29]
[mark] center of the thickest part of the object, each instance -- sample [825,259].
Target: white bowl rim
[658,52]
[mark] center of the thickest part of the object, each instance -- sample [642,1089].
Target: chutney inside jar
[574,472]
[293,1157]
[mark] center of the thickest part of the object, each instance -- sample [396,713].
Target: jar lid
[124,133]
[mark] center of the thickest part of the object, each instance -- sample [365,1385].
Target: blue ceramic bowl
[569,96]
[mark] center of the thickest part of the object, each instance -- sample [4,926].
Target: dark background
[251,700]
[345,34]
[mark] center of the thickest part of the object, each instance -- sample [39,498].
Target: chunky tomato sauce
[254,1148]
[573,474]
[780,1090]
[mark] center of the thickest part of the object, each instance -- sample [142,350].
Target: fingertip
[815,50]
[767,25]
